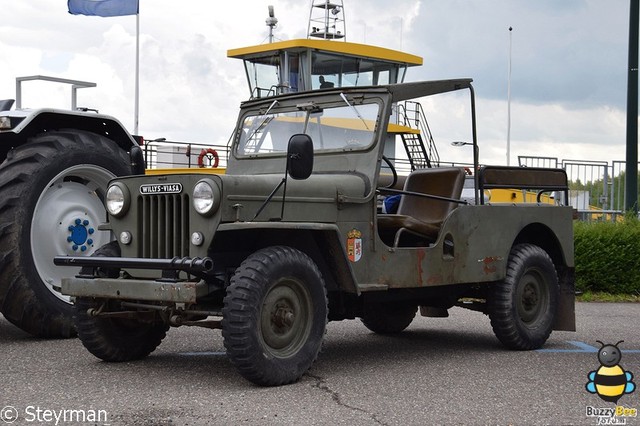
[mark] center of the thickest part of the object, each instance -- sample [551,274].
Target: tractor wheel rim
[65,221]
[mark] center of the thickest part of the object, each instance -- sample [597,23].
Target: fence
[597,187]
[161,153]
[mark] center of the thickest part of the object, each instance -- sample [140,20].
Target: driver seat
[423,216]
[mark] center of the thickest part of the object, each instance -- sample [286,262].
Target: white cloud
[568,85]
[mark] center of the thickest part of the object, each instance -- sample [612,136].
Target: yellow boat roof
[345,48]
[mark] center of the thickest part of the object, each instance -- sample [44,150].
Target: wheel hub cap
[283,317]
[79,234]
[531,297]
[286,320]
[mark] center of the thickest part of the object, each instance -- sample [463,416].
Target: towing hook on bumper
[196,266]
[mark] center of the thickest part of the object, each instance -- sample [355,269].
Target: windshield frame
[360,115]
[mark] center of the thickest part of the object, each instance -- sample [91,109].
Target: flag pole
[137,83]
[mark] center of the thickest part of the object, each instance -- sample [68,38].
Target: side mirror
[300,156]
[137,160]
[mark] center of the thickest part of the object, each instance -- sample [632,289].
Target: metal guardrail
[164,154]
[600,215]
[601,188]
[609,187]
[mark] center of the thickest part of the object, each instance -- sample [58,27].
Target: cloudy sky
[568,85]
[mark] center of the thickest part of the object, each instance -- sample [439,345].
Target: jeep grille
[163,223]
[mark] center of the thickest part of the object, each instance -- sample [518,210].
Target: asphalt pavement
[440,371]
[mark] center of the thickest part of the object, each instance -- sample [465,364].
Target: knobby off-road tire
[388,318]
[51,201]
[111,249]
[114,339]
[522,307]
[274,316]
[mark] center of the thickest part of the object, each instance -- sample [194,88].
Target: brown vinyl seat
[422,216]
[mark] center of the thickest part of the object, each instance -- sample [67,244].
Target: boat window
[340,71]
[263,78]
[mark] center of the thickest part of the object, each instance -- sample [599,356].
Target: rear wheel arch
[543,237]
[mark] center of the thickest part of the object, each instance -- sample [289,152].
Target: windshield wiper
[344,98]
[261,120]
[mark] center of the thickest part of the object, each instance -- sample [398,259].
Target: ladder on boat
[421,155]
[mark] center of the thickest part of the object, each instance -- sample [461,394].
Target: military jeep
[292,236]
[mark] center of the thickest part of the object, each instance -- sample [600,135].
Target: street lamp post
[631,175]
[509,104]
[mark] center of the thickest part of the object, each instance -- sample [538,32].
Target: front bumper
[134,289]
[167,289]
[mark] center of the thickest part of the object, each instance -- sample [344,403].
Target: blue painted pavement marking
[581,347]
[218,353]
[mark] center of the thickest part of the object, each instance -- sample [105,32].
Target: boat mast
[326,20]
[271,21]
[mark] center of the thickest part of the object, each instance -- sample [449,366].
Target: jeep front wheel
[522,307]
[274,316]
[51,203]
[115,339]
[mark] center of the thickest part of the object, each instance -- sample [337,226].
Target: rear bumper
[128,289]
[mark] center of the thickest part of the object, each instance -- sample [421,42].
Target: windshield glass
[343,127]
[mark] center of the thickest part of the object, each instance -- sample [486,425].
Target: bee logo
[610,381]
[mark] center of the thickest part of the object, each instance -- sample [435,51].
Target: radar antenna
[272,22]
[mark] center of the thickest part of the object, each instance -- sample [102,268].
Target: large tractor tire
[51,203]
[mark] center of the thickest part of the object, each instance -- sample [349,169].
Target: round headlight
[203,198]
[117,200]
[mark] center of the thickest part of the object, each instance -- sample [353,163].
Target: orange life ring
[204,153]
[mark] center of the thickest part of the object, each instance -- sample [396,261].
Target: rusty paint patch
[434,280]
[489,266]
[421,255]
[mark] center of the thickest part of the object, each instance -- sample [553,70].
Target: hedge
[608,256]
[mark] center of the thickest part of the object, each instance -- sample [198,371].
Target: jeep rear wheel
[522,307]
[388,318]
[51,203]
[274,316]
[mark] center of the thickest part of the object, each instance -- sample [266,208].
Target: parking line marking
[217,353]
[582,347]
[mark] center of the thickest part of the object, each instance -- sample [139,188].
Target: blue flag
[103,8]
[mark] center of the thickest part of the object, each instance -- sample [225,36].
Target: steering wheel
[393,172]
